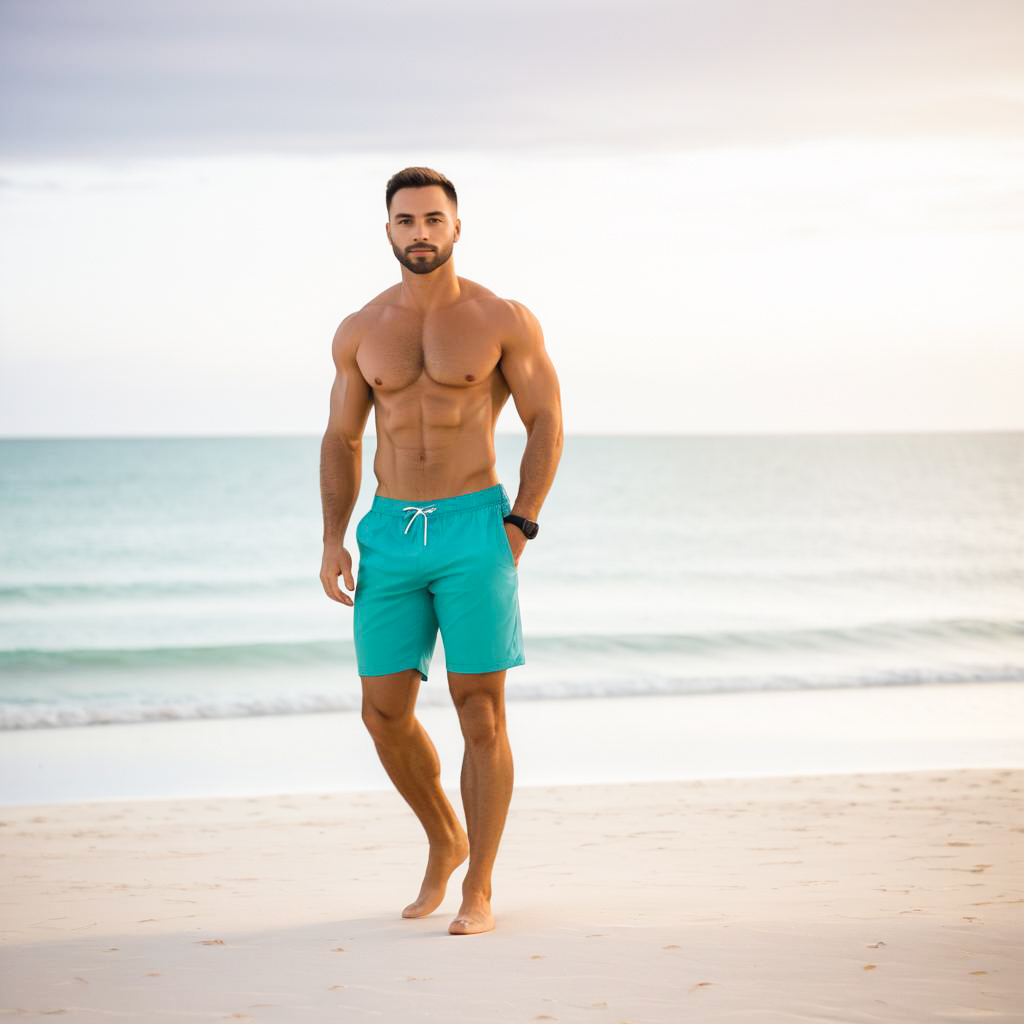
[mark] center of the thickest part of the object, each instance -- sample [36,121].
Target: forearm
[340,474]
[540,460]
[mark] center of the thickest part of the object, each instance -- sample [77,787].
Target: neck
[431,291]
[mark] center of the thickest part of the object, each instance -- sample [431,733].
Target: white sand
[852,898]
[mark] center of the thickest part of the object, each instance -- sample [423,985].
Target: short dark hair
[419,177]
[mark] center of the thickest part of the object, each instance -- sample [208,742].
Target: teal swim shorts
[427,564]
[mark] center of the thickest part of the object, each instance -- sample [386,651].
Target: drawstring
[421,510]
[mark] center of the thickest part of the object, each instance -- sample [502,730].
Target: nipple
[377,380]
[469,376]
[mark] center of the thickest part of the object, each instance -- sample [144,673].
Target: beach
[836,893]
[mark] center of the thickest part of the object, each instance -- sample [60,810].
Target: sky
[729,217]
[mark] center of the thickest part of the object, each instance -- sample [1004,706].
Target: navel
[469,376]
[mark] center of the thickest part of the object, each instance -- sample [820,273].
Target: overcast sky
[729,216]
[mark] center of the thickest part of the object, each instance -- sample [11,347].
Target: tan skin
[436,357]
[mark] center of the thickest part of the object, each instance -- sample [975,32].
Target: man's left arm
[532,380]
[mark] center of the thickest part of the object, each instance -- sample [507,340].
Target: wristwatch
[528,526]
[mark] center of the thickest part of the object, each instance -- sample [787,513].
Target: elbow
[343,440]
[557,429]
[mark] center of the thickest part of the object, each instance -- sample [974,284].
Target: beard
[423,262]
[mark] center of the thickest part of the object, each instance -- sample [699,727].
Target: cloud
[135,77]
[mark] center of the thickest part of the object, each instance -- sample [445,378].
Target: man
[437,356]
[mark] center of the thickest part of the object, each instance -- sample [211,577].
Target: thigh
[392,695]
[481,687]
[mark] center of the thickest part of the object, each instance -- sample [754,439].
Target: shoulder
[523,329]
[388,297]
[522,315]
[353,328]
[514,318]
[348,335]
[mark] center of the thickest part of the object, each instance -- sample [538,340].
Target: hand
[337,562]
[516,539]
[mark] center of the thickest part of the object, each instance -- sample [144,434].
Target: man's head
[423,223]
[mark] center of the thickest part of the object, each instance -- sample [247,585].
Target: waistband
[493,495]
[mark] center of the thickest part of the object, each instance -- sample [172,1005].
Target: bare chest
[392,358]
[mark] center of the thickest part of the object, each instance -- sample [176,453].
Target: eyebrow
[431,213]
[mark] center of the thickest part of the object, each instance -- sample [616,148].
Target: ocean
[151,579]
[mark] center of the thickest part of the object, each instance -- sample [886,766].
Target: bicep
[350,394]
[527,368]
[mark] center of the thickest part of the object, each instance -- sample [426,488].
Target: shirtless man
[437,356]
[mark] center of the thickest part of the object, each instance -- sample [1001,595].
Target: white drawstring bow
[420,510]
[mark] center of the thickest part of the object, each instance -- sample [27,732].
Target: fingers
[333,592]
[329,578]
[342,596]
[330,586]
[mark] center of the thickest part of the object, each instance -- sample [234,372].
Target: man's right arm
[341,454]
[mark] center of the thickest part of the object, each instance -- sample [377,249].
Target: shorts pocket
[359,528]
[503,540]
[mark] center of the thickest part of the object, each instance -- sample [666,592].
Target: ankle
[474,892]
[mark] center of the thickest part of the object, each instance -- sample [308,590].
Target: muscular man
[437,356]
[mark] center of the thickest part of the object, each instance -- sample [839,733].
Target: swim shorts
[445,563]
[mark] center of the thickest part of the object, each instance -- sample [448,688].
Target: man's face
[423,228]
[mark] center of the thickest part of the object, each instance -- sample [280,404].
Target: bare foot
[443,860]
[474,916]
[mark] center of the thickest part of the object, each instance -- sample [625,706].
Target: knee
[480,719]
[384,726]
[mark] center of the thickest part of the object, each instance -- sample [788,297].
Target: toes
[463,925]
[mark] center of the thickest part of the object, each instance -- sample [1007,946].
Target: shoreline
[560,741]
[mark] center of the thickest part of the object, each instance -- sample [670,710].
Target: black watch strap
[528,526]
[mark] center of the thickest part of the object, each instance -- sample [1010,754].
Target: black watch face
[530,529]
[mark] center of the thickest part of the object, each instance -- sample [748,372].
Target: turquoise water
[178,578]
